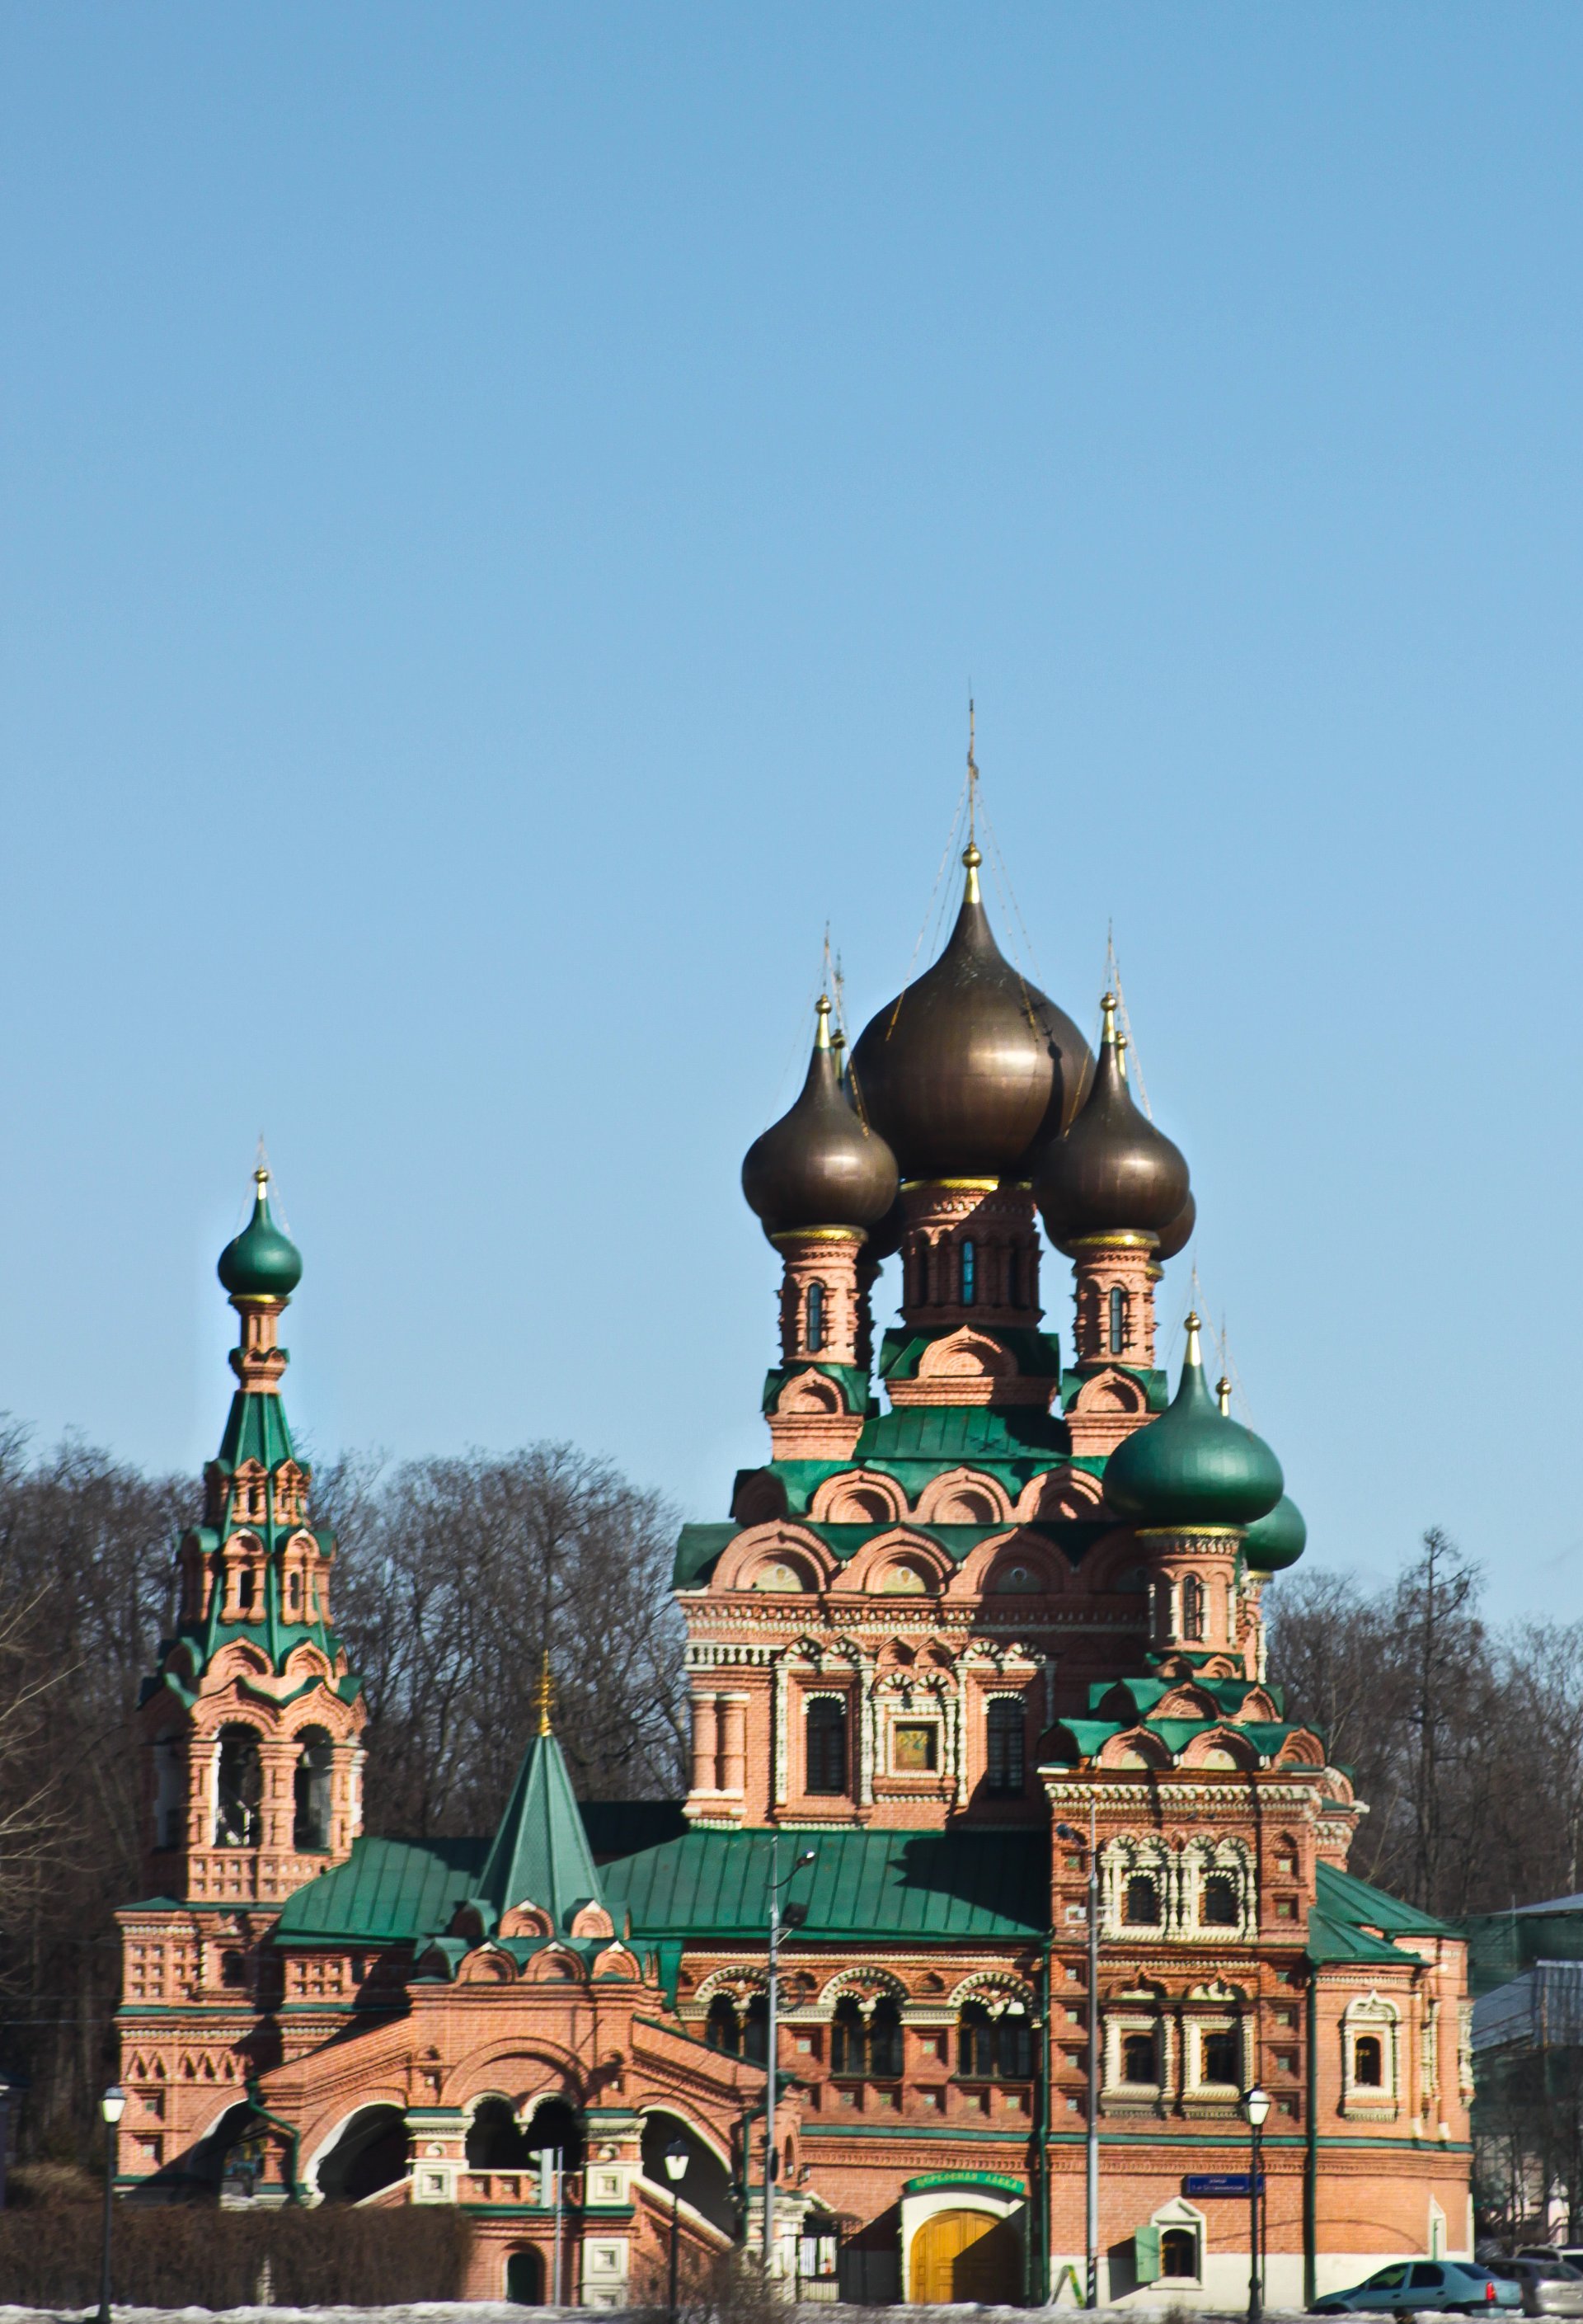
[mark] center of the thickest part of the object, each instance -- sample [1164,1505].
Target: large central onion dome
[1195,1465]
[1113,1173]
[819,1166]
[972,1071]
[261,1262]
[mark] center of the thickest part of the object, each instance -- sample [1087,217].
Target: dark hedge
[181,2257]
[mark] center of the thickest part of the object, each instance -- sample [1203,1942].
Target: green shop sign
[931,2180]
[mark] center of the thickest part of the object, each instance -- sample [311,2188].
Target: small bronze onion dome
[971,1071]
[1178,1234]
[1277,1541]
[261,1262]
[1113,1172]
[1195,1465]
[820,1165]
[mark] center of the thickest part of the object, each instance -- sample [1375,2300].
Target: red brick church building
[990,1582]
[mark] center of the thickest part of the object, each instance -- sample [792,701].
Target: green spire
[261,1262]
[539,1855]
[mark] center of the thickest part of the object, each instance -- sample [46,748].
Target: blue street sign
[1221,2182]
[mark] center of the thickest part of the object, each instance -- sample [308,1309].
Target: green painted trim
[999,2180]
[911,2130]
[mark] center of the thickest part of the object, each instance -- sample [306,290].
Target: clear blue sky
[501,506]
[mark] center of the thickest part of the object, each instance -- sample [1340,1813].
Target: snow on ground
[498,2311]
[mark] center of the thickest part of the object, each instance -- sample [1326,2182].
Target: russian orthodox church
[988,1613]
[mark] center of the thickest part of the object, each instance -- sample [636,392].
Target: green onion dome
[1195,1465]
[1277,1540]
[971,1071]
[261,1263]
[1113,1172]
[820,1165]
[1178,1234]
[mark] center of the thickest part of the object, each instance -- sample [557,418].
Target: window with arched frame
[993,2049]
[1221,1904]
[865,2048]
[310,1789]
[1192,1608]
[824,1732]
[1141,1901]
[970,1273]
[813,1319]
[1005,1748]
[238,1788]
[1369,2062]
[1140,2058]
[1117,1319]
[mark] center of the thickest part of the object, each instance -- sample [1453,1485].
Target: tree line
[452,1576]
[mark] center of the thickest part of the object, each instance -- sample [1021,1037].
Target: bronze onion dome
[971,1071]
[1176,1236]
[1113,1172]
[820,1165]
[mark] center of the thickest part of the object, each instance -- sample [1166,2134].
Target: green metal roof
[1022,1435]
[540,1854]
[621,1827]
[388,1892]
[863,1884]
[1338,1940]
[1348,1898]
[256,1429]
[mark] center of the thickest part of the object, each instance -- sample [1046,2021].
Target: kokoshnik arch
[979,1588]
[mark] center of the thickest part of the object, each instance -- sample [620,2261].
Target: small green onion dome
[1112,1172]
[1195,1465]
[820,1165]
[1277,1540]
[261,1263]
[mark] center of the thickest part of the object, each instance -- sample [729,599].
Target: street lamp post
[112,2105]
[1256,2105]
[1092,2141]
[676,2171]
[793,1918]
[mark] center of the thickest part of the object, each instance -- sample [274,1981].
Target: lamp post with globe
[1256,2107]
[676,2171]
[112,2105]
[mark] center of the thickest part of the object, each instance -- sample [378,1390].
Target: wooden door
[966,2256]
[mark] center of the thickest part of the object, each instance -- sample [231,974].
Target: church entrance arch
[525,2278]
[965,2255]
[706,2184]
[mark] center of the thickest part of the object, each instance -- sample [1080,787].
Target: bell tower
[253,1721]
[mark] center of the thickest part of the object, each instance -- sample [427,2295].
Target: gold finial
[1223,1392]
[261,1179]
[544,1693]
[822,1037]
[1107,1009]
[1193,1355]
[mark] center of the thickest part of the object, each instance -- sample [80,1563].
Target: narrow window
[1369,2062]
[1005,1736]
[233,1969]
[1143,1902]
[849,2042]
[1219,1907]
[239,1788]
[1140,2058]
[885,2043]
[720,2028]
[970,1273]
[1219,2060]
[169,1802]
[826,1729]
[310,1785]
[756,2030]
[1013,2047]
[1192,1608]
[975,2043]
[814,1333]
[1117,1319]
[244,1591]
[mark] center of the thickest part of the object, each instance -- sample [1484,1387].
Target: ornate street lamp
[112,2105]
[1256,2105]
[676,2171]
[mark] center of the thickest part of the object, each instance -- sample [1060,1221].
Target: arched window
[244,1591]
[826,1741]
[496,2140]
[1192,1608]
[723,2029]
[1005,1739]
[310,1785]
[1140,2058]
[849,2041]
[756,2029]
[1143,1902]
[168,1790]
[1179,2252]
[1117,1319]
[1369,2062]
[1220,1908]
[1013,2047]
[970,1273]
[239,1788]
[1221,2057]
[814,1329]
[975,2043]
[885,2041]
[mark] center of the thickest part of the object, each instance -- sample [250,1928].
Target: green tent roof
[863,1884]
[540,1854]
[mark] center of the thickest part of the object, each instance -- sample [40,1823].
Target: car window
[1428,2279]
[1565,2272]
[1386,2280]
[1510,2271]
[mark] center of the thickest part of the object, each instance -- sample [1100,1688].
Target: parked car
[1550,2287]
[1449,2286]
[1568,2254]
